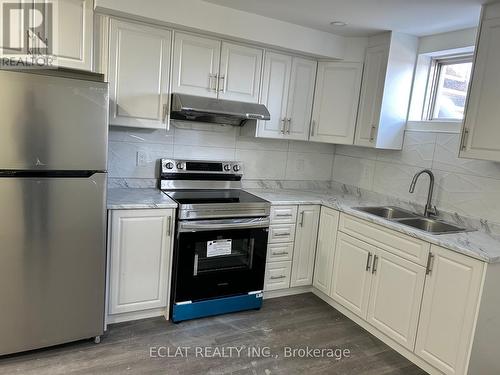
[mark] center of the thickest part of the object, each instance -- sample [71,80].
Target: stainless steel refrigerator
[53,156]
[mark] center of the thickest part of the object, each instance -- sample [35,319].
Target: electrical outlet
[142,158]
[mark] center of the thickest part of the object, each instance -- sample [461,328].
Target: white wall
[446,41]
[202,16]
[264,159]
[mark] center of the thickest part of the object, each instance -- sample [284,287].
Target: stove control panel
[201,167]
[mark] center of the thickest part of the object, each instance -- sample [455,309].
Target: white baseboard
[287,292]
[136,315]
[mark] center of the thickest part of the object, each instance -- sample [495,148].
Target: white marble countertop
[476,244]
[124,198]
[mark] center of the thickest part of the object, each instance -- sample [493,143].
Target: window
[447,88]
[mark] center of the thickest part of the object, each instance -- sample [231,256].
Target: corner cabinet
[336,102]
[138,75]
[287,92]
[385,90]
[139,250]
[325,250]
[304,250]
[216,69]
[481,130]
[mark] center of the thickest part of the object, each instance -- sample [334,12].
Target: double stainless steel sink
[413,220]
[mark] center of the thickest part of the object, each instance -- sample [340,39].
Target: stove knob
[236,168]
[180,166]
[169,165]
[227,167]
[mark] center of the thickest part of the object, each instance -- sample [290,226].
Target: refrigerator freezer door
[52,260]
[52,123]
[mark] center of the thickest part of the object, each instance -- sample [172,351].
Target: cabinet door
[240,69]
[325,251]
[352,274]
[138,75]
[140,248]
[196,65]
[450,302]
[372,92]
[275,86]
[395,297]
[336,102]
[305,245]
[300,99]
[481,133]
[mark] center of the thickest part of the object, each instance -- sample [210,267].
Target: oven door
[217,258]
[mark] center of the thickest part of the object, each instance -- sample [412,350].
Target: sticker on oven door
[218,247]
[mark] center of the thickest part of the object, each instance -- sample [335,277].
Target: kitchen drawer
[283,214]
[281,233]
[400,244]
[277,275]
[279,252]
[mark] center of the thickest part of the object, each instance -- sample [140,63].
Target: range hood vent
[227,112]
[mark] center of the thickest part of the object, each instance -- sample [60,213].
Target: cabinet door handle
[222,85]
[375,263]
[289,121]
[280,253]
[282,128]
[313,126]
[430,264]
[368,259]
[283,215]
[465,139]
[372,133]
[277,277]
[301,219]
[169,226]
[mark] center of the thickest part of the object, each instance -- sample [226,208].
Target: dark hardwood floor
[294,322]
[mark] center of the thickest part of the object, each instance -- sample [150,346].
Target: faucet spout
[429,208]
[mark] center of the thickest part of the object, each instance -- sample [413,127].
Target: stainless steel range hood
[211,110]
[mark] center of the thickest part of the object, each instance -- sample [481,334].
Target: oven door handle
[206,225]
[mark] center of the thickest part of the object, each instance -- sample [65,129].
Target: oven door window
[220,254]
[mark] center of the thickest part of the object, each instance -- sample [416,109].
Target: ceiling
[368,17]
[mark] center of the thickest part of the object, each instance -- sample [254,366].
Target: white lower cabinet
[395,297]
[140,245]
[352,274]
[325,250]
[277,275]
[304,250]
[448,314]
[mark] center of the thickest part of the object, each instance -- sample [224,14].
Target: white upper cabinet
[287,92]
[300,98]
[196,65]
[336,102]
[371,94]
[448,313]
[275,86]
[481,130]
[385,90]
[325,250]
[138,75]
[240,72]
[75,24]
[305,245]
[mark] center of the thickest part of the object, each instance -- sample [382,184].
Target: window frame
[436,68]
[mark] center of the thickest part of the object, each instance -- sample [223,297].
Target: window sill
[434,126]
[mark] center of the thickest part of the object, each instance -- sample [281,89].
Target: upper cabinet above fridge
[385,90]
[481,129]
[208,67]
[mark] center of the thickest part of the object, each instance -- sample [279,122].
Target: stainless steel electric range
[220,240]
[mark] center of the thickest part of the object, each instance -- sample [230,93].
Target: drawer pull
[281,253]
[278,277]
[281,234]
[284,215]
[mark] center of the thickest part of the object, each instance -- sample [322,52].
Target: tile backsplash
[467,187]
[134,153]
